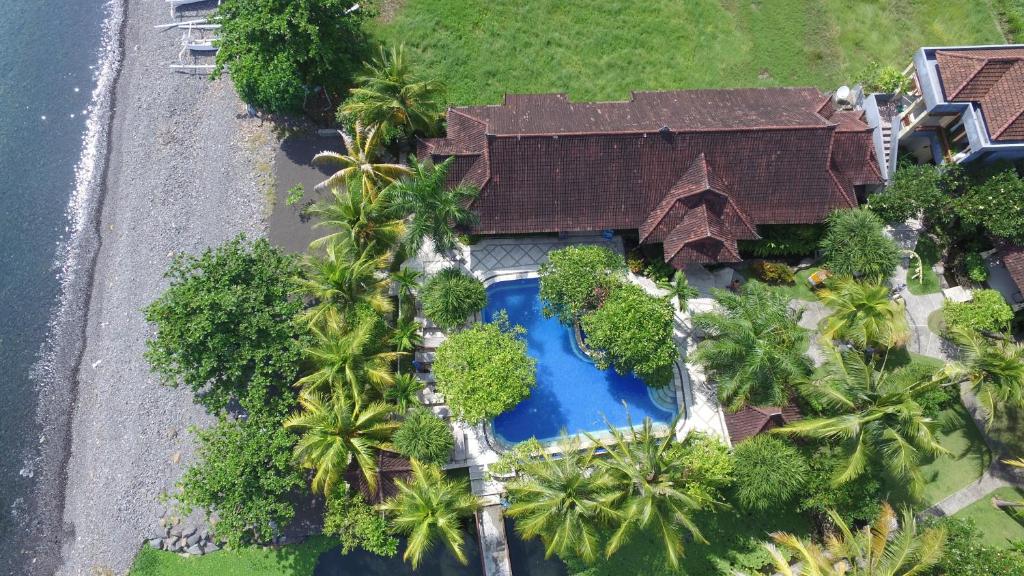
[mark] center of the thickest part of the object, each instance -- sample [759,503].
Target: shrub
[484,370]
[224,327]
[772,272]
[769,472]
[855,245]
[882,78]
[784,240]
[915,189]
[357,524]
[858,500]
[975,267]
[986,312]
[424,437]
[451,296]
[633,332]
[576,278]
[967,554]
[709,466]
[997,205]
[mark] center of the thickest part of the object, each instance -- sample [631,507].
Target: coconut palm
[390,94]
[357,219]
[407,281]
[428,507]
[679,289]
[337,431]
[878,419]
[754,347]
[864,315]
[434,209]
[358,162]
[993,368]
[341,280]
[404,392]
[562,501]
[647,488]
[883,548]
[349,363]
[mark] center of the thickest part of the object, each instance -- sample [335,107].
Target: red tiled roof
[994,78]
[390,467]
[1013,259]
[546,164]
[753,420]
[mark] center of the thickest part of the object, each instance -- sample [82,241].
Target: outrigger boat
[202,45]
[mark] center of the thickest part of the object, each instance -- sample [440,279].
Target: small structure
[390,467]
[1006,272]
[753,420]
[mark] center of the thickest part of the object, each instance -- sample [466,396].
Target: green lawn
[595,49]
[998,526]
[930,254]
[967,461]
[296,560]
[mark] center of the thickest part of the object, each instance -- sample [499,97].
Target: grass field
[999,527]
[967,461]
[929,282]
[596,49]
[297,560]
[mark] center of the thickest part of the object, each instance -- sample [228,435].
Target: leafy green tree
[679,290]
[855,245]
[245,475]
[356,219]
[357,525]
[987,311]
[877,419]
[407,281]
[349,362]
[632,331]
[754,348]
[769,472]
[435,211]
[404,393]
[340,282]
[424,437]
[358,162]
[406,336]
[996,205]
[915,189]
[709,465]
[562,502]
[994,370]
[451,296]
[336,432]
[856,500]
[390,93]
[276,51]
[484,371]
[864,315]
[224,327]
[968,552]
[576,279]
[430,507]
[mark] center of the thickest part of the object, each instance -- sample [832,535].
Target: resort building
[695,171]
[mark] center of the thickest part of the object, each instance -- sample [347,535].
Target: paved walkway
[992,479]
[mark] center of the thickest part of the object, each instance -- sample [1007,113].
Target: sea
[57,64]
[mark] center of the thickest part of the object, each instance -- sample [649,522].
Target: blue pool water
[571,392]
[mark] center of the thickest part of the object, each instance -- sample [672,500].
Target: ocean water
[50,64]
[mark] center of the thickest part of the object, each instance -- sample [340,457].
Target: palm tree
[878,419]
[562,501]
[433,208]
[357,219]
[348,363]
[679,289]
[882,548]
[406,335]
[391,94]
[358,162]
[334,433]
[754,348]
[341,280]
[647,488]
[407,280]
[430,507]
[993,368]
[864,315]
[404,392]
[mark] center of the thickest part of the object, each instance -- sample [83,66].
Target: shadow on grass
[294,560]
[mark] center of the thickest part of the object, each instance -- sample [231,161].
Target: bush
[967,554]
[484,370]
[357,525]
[575,279]
[632,330]
[450,297]
[974,266]
[246,475]
[855,245]
[772,272]
[424,437]
[915,189]
[986,312]
[784,240]
[886,79]
[858,501]
[709,466]
[224,327]
[769,472]
[997,205]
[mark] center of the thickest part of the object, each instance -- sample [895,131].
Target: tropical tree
[424,437]
[648,488]
[406,335]
[348,363]
[856,245]
[451,296]
[864,315]
[434,210]
[754,347]
[340,281]
[336,432]
[679,289]
[357,219]
[430,507]
[359,162]
[562,501]
[391,94]
[878,419]
[884,547]
[404,392]
[1000,503]
[407,281]
[993,368]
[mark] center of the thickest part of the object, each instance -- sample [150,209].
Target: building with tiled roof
[695,171]
[753,420]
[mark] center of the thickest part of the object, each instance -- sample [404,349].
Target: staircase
[887,139]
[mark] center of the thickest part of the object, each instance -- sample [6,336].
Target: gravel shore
[188,169]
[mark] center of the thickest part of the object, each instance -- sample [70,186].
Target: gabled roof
[1012,255]
[994,78]
[753,420]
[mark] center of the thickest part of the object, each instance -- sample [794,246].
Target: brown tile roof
[1013,259]
[750,157]
[754,420]
[390,467]
[994,78]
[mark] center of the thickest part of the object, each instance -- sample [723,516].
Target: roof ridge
[1007,124]
[825,125]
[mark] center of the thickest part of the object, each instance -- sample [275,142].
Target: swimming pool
[571,392]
